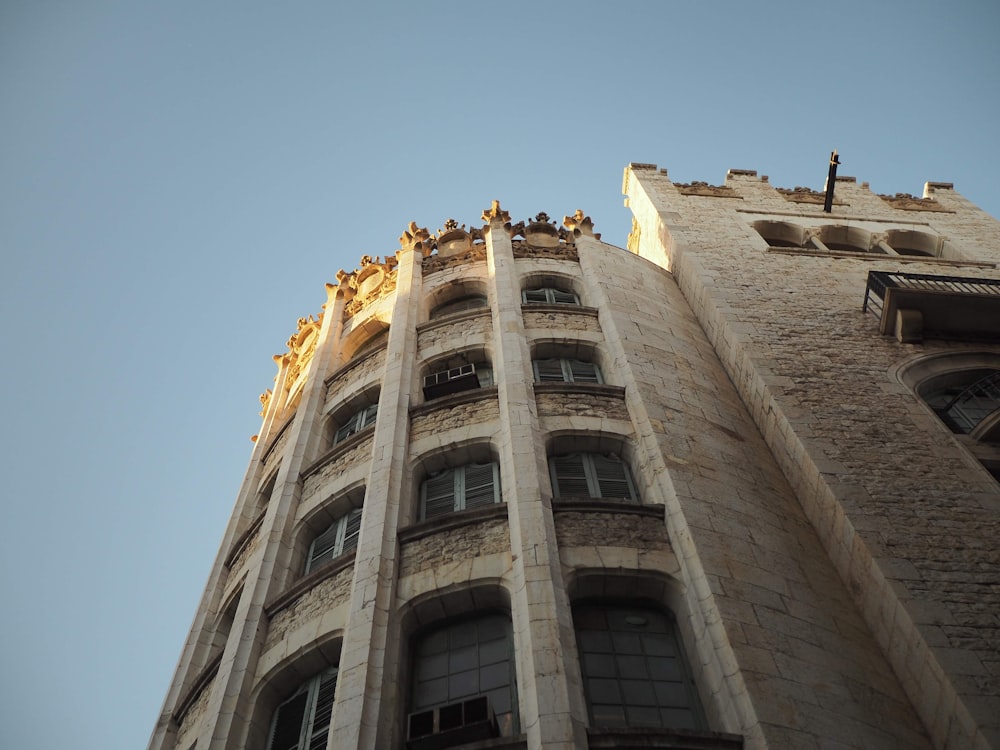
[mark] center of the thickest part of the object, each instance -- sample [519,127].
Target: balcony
[914,306]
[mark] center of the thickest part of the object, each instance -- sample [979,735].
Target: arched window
[461,488]
[365,417]
[963,399]
[566,371]
[634,671]
[302,722]
[461,304]
[463,680]
[548,295]
[339,538]
[457,372]
[591,475]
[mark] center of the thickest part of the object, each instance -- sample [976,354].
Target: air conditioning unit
[454,724]
[455,380]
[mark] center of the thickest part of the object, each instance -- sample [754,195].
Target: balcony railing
[913,305]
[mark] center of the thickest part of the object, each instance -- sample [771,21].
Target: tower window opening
[457,663]
[302,722]
[548,295]
[341,537]
[358,421]
[566,371]
[461,304]
[592,475]
[462,488]
[633,668]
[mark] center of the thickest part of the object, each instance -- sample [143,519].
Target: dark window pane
[671,694]
[679,718]
[493,653]
[603,691]
[599,665]
[627,643]
[665,668]
[631,666]
[462,659]
[432,666]
[594,641]
[605,715]
[642,716]
[463,684]
[638,693]
[494,676]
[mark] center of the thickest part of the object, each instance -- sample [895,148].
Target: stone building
[735,486]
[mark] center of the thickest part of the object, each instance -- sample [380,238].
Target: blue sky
[178,180]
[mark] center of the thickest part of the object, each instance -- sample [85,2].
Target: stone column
[551,714]
[360,695]
[229,702]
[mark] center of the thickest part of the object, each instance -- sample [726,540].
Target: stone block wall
[905,516]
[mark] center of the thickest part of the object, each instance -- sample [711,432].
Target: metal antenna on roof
[831,180]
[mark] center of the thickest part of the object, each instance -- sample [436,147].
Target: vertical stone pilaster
[230,702]
[361,718]
[552,713]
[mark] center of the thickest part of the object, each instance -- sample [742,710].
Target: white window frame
[594,476]
[438,484]
[552,296]
[364,418]
[340,537]
[571,371]
[320,692]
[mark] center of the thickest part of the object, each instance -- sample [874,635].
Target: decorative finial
[414,236]
[542,218]
[580,223]
[451,224]
[495,213]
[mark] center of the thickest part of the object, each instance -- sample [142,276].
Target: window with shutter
[303,721]
[341,537]
[565,371]
[450,490]
[591,475]
[547,295]
[471,302]
[356,423]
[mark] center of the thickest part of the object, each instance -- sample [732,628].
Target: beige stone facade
[682,495]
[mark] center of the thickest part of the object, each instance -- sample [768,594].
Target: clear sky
[179,179]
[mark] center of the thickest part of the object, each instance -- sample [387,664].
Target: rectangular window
[565,371]
[358,422]
[451,490]
[341,537]
[592,475]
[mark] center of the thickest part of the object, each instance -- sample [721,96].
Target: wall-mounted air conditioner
[455,380]
[454,724]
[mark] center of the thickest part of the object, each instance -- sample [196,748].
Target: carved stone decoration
[495,214]
[806,195]
[375,279]
[265,401]
[907,202]
[453,240]
[417,238]
[301,347]
[439,262]
[562,251]
[579,223]
[704,189]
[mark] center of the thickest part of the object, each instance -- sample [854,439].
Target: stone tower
[519,488]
